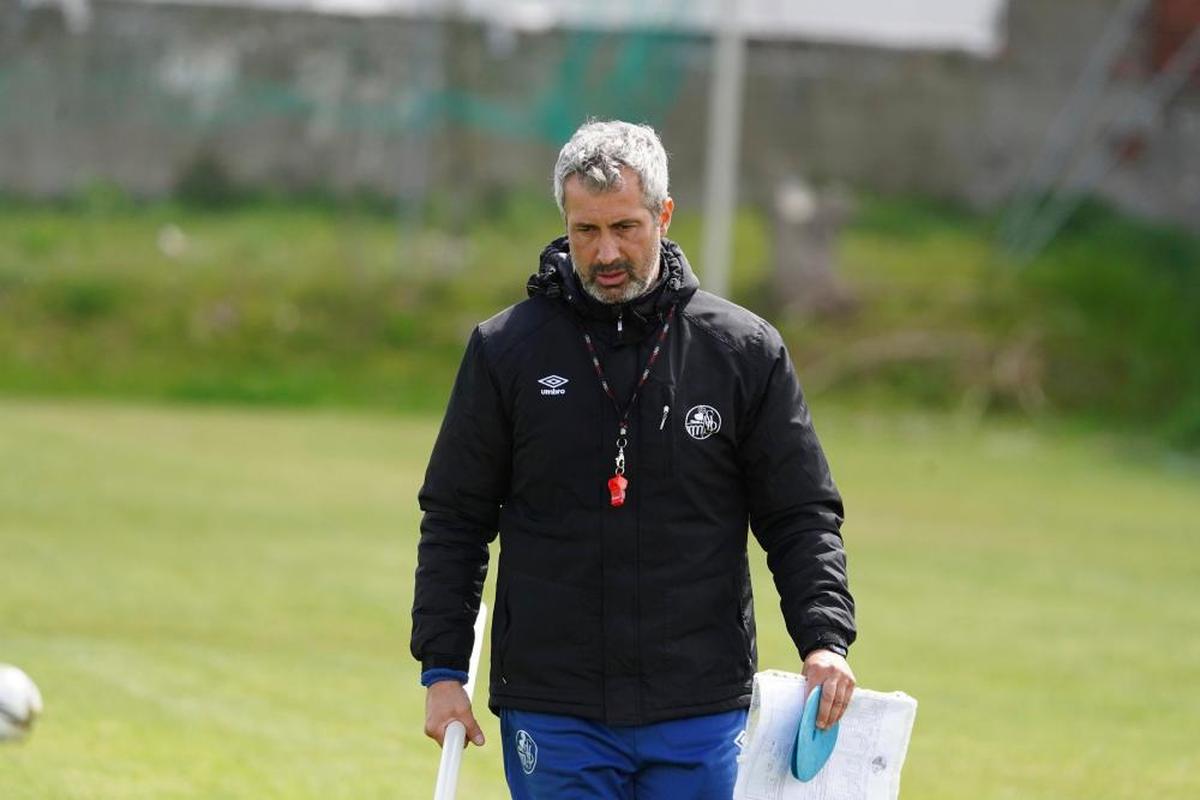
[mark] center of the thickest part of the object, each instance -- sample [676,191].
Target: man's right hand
[446,701]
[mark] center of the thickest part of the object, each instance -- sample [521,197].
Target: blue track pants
[557,757]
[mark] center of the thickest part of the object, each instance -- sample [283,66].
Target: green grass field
[215,604]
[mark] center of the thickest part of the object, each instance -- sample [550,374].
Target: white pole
[724,133]
[456,732]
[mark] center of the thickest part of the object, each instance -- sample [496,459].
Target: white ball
[20,703]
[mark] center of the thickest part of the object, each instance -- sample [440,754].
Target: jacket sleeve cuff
[823,639]
[436,661]
[432,676]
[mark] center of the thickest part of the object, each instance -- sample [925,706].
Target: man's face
[614,238]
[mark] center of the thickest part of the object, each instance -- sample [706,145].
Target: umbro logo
[553,384]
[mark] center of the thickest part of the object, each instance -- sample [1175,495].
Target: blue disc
[813,745]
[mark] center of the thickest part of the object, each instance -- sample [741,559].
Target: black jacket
[641,613]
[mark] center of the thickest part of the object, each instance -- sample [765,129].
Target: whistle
[616,488]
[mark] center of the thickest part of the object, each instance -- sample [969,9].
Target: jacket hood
[556,278]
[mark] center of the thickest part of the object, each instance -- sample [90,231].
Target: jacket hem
[597,713]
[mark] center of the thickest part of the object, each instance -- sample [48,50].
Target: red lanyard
[618,482]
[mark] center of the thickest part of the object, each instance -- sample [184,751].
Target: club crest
[702,422]
[526,751]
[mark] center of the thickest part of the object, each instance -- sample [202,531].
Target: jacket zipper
[667,436]
[620,322]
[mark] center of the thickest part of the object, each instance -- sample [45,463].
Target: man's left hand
[832,673]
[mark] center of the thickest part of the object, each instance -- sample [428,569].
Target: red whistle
[616,487]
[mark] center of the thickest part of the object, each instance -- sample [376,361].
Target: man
[618,429]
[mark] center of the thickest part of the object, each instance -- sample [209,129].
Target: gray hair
[598,150]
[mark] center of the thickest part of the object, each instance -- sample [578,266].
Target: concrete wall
[408,106]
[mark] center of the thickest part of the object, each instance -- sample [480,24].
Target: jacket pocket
[664,433]
[705,636]
[500,632]
[551,640]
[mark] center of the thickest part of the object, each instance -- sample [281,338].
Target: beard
[637,282]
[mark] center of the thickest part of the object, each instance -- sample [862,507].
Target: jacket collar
[676,284]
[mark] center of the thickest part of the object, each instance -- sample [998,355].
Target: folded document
[865,764]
